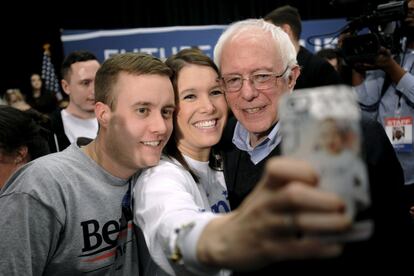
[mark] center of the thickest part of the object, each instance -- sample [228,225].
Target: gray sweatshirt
[60,215]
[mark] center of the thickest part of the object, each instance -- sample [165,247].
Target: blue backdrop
[162,42]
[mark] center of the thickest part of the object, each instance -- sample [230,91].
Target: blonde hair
[8,96]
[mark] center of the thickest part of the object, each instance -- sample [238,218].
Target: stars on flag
[49,77]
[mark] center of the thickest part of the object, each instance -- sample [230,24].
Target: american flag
[48,74]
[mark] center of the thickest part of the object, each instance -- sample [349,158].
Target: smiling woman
[188,184]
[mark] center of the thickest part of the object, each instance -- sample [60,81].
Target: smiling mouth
[252,110]
[206,124]
[152,143]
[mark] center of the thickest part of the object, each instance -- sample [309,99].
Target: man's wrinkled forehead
[249,34]
[255,51]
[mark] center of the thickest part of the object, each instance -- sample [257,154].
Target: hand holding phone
[321,125]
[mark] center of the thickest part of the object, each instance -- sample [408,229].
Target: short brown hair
[131,63]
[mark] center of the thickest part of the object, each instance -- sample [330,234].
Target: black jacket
[61,140]
[384,248]
[315,71]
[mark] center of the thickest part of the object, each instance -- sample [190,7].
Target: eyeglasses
[260,81]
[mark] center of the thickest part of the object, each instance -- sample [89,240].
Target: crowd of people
[175,168]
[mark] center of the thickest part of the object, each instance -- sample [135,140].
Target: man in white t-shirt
[78,118]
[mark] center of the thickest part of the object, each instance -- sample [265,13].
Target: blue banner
[165,41]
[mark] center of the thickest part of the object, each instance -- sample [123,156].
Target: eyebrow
[268,69]
[85,79]
[151,104]
[142,103]
[170,106]
[193,90]
[190,90]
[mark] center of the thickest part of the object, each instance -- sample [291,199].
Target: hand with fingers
[280,220]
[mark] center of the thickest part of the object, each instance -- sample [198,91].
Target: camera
[383,23]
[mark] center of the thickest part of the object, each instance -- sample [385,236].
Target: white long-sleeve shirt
[166,199]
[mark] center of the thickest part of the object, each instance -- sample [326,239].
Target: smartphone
[322,125]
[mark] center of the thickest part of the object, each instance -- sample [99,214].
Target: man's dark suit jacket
[384,248]
[315,71]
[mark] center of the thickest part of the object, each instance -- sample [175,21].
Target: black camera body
[383,23]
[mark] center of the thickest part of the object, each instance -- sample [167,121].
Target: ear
[294,74]
[65,86]
[22,155]
[102,113]
[287,29]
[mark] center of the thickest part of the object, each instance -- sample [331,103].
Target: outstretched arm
[273,222]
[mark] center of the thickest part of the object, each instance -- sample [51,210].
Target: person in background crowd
[385,91]
[78,118]
[39,98]
[334,57]
[21,140]
[15,98]
[315,71]
[331,56]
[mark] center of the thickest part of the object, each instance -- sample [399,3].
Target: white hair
[282,41]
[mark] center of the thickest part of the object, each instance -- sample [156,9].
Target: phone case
[322,125]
